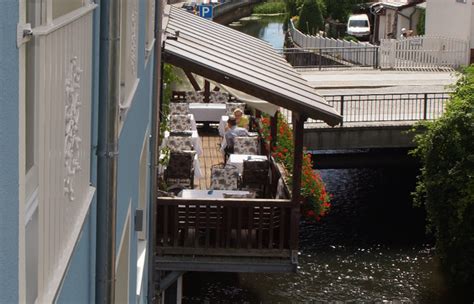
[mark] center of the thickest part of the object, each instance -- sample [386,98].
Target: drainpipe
[155,144]
[109,94]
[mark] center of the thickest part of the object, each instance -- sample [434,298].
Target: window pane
[62,7]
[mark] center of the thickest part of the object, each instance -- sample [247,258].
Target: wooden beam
[273,131]
[298,133]
[207,90]
[192,80]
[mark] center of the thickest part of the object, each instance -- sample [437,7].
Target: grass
[271,7]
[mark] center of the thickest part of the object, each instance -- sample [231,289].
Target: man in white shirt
[231,133]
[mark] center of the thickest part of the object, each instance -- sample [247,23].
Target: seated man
[233,131]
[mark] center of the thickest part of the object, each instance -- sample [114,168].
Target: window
[62,7]
[150,27]
[128,54]
[143,186]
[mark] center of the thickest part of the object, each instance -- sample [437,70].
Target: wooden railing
[226,227]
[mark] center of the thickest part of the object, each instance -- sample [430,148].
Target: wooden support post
[273,131]
[207,90]
[192,80]
[298,131]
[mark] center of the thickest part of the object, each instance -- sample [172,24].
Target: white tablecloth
[194,138]
[191,193]
[238,160]
[222,124]
[207,111]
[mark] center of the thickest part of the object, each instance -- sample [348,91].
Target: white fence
[365,55]
[63,90]
[423,52]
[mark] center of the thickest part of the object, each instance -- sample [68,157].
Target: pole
[109,94]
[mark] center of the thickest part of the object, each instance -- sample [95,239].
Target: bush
[310,18]
[446,183]
[277,7]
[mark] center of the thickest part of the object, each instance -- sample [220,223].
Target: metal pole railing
[342,110]
[425,106]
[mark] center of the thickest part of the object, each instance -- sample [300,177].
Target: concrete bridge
[378,107]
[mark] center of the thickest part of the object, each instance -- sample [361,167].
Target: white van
[358,26]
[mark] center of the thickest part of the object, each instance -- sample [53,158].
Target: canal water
[371,247]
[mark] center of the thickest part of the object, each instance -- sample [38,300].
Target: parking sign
[205,11]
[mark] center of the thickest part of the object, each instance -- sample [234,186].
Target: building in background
[451,18]
[50,54]
[391,16]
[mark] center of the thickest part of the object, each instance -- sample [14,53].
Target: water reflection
[266,28]
[371,247]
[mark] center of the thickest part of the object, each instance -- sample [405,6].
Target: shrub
[310,18]
[277,7]
[446,183]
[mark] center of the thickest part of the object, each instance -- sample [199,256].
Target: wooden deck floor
[212,155]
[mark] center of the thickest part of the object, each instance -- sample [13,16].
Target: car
[190,7]
[358,26]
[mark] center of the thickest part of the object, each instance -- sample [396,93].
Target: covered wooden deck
[236,235]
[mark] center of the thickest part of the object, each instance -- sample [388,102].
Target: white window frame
[150,29]
[129,25]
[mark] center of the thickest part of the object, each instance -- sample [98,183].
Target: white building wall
[449,18]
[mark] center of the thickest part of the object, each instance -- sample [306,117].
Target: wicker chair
[246,145]
[179,108]
[231,106]
[180,123]
[224,177]
[218,97]
[179,173]
[193,96]
[179,143]
[255,176]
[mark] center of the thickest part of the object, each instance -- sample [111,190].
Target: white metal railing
[423,52]
[63,90]
[364,57]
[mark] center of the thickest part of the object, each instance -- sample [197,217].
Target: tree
[310,18]
[446,183]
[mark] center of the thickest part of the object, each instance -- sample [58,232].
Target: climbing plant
[446,183]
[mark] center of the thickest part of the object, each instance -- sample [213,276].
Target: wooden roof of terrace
[242,62]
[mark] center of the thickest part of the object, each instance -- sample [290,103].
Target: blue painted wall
[9,114]
[133,132]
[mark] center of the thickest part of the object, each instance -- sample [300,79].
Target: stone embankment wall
[233,10]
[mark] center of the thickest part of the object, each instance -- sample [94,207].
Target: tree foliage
[420,26]
[341,9]
[446,183]
[310,18]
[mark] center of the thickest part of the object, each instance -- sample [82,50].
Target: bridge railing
[349,56]
[366,108]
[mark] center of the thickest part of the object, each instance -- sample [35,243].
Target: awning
[241,62]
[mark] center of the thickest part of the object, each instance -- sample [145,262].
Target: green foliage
[169,77]
[310,18]
[272,7]
[350,38]
[341,9]
[446,183]
[420,27]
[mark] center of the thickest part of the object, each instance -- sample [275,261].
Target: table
[207,111]
[215,194]
[237,160]
[194,138]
